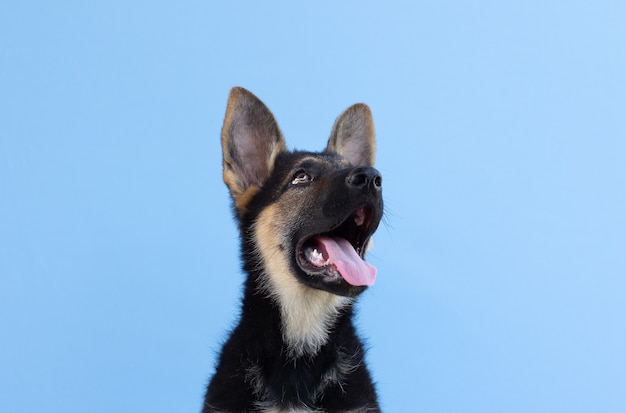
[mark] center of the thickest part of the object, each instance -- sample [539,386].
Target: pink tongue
[351,267]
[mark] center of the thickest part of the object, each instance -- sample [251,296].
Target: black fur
[257,370]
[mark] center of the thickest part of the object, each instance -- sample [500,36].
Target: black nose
[364,178]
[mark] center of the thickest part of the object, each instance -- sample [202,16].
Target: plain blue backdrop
[501,133]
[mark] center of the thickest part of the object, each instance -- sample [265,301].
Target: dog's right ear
[353,136]
[251,140]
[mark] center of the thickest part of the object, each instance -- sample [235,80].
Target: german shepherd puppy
[305,220]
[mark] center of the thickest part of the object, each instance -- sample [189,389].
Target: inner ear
[353,136]
[251,140]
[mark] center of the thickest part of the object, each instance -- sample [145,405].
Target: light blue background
[501,138]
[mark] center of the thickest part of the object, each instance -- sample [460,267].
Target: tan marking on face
[307,314]
[242,201]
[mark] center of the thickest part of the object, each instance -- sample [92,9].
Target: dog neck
[307,315]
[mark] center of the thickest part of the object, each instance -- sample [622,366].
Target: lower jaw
[333,284]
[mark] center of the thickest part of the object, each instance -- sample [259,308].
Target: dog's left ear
[353,136]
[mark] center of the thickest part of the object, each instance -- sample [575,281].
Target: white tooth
[317,258]
[359,218]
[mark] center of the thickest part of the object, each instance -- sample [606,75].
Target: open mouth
[338,253]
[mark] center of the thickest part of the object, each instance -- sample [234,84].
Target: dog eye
[301,178]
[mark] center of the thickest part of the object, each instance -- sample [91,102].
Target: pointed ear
[353,136]
[251,140]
